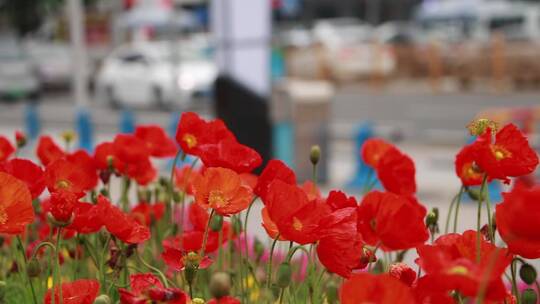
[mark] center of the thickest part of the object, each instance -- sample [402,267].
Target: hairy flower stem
[170,189]
[25,264]
[269,267]
[205,235]
[479,219]
[458,203]
[513,270]
[57,282]
[450,209]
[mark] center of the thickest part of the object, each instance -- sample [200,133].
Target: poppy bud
[198,301]
[528,296]
[432,217]
[33,269]
[315,154]
[191,262]
[103,299]
[478,127]
[527,273]
[284,275]
[177,196]
[236,225]
[474,194]
[68,136]
[332,293]
[56,223]
[20,139]
[220,284]
[216,222]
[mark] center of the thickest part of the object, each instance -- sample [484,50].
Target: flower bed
[185,239]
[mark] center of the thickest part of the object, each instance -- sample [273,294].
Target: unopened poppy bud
[20,139]
[103,299]
[474,194]
[216,222]
[315,155]
[478,127]
[68,136]
[527,273]
[220,284]
[236,225]
[33,269]
[57,223]
[110,163]
[332,293]
[198,301]
[432,217]
[529,296]
[177,196]
[284,275]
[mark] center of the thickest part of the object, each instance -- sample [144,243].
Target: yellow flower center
[500,153]
[190,140]
[297,224]
[217,199]
[460,270]
[3,215]
[62,184]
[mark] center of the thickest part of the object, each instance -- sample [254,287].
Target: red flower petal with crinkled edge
[376,289]
[102,153]
[87,218]
[16,209]
[120,224]
[157,141]
[338,200]
[517,221]
[274,170]
[28,172]
[48,151]
[76,173]
[373,149]
[392,221]
[230,154]
[76,292]
[396,172]
[6,148]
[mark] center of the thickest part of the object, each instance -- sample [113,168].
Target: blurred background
[283,74]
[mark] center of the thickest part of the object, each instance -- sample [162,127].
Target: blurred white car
[52,63]
[17,78]
[152,74]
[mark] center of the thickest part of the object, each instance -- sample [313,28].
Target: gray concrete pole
[78,46]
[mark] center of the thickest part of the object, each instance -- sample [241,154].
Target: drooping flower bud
[527,273]
[216,222]
[220,284]
[315,155]
[432,220]
[68,136]
[529,296]
[479,126]
[33,269]
[103,299]
[284,275]
[20,139]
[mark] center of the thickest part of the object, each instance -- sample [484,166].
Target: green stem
[21,249]
[171,186]
[450,209]
[205,236]
[154,269]
[458,203]
[269,267]
[479,219]
[514,280]
[58,282]
[488,208]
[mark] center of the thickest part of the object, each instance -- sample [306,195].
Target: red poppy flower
[146,287]
[224,300]
[102,153]
[192,240]
[222,190]
[509,155]
[20,138]
[132,158]
[176,259]
[450,264]
[28,172]
[230,154]
[269,225]
[403,272]
[62,205]
[296,218]
[274,170]
[16,209]
[145,213]
[373,149]
[157,141]
[120,224]
[249,179]
[396,172]
[193,132]
[376,289]
[87,218]
[75,173]
[425,293]
[76,292]
[338,200]
[184,178]
[392,221]
[48,151]
[340,246]
[311,190]
[517,221]
[466,168]
[6,148]
[198,216]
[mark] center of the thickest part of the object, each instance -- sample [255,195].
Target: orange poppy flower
[222,190]
[28,172]
[16,209]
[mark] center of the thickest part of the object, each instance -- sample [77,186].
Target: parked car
[17,78]
[52,63]
[152,74]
